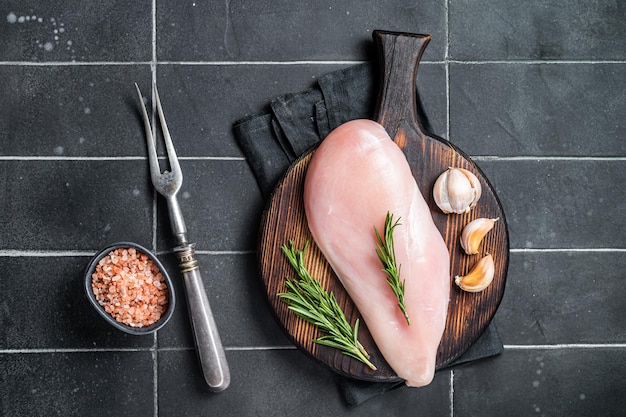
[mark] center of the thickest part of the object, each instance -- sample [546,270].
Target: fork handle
[207,339]
[177,222]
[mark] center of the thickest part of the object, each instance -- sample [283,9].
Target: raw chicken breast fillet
[355,177]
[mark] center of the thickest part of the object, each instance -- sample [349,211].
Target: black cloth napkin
[291,125]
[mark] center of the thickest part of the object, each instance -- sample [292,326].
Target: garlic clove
[456,190]
[479,277]
[460,192]
[475,183]
[440,193]
[474,232]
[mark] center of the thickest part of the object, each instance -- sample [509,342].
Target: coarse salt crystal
[124,299]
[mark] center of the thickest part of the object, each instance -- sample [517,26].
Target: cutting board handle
[400,54]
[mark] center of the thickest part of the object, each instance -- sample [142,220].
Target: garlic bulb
[474,232]
[457,190]
[479,277]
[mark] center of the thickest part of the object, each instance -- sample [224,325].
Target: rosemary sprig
[309,301]
[386,253]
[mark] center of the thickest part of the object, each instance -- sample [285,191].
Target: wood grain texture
[428,156]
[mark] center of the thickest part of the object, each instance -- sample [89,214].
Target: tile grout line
[536,62]
[447,74]
[447,66]
[427,62]
[115,158]
[565,250]
[70,158]
[452,393]
[305,62]
[155,372]
[566,346]
[546,158]
[155,385]
[155,354]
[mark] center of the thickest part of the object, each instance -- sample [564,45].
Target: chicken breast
[355,177]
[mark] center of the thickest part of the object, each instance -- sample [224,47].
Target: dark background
[532,90]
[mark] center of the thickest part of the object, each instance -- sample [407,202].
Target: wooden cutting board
[284,220]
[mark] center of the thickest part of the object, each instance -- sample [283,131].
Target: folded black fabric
[294,123]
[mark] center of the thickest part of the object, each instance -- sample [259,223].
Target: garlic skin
[474,232]
[457,190]
[479,277]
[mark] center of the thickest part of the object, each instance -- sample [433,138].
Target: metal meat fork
[207,339]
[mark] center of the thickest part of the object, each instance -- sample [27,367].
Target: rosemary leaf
[308,300]
[387,255]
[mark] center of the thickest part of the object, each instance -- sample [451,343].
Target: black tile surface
[76,31]
[256,31]
[221,202]
[52,110]
[563,298]
[77,384]
[561,203]
[44,307]
[294,384]
[543,382]
[538,109]
[532,90]
[74,204]
[537,30]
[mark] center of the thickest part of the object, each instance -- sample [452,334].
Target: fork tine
[169,146]
[155,171]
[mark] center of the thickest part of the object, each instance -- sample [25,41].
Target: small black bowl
[91,267]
